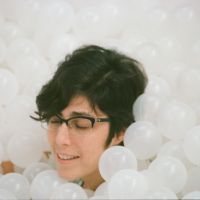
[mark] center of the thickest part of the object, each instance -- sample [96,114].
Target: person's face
[77,155]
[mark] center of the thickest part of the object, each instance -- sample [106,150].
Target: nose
[62,136]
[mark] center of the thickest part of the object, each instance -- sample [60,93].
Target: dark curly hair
[110,80]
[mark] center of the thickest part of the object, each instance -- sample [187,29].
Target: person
[87,106]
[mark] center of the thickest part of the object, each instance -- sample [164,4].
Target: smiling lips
[66,156]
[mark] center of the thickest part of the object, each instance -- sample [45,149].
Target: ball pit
[163,162]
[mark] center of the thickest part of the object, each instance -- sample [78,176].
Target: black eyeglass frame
[92,119]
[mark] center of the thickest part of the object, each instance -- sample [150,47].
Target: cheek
[94,145]
[51,139]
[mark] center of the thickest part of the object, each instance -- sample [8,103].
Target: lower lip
[66,161]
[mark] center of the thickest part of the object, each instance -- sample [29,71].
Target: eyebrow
[75,114]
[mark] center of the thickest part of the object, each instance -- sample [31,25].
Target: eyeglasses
[78,124]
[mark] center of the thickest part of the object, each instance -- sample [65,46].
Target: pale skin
[86,148]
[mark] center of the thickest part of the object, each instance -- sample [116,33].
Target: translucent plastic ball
[24,149]
[185,14]
[102,189]
[192,195]
[60,47]
[193,182]
[146,107]
[175,149]
[2,50]
[86,23]
[10,31]
[129,41]
[147,52]
[44,184]
[35,168]
[16,184]
[143,134]
[4,194]
[175,119]
[9,9]
[191,145]
[20,48]
[188,83]
[161,193]
[171,73]
[115,16]
[127,184]
[69,191]
[89,192]
[157,16]
[152,179]
[158,86]
[170,46]
[16,115]
[114,159]
[35,69]
[28,15]
[1,152]
[8,86]
[56,15]
[171,172]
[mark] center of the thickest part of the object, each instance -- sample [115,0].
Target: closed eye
[55,121]
[81,127]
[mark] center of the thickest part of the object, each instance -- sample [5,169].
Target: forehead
[80,104]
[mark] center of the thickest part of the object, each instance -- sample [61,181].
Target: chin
[64,174]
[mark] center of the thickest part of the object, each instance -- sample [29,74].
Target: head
[91,82]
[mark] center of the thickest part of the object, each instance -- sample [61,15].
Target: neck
[93,181]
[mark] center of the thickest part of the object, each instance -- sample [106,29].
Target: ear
[117,139]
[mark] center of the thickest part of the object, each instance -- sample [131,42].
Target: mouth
[66,157]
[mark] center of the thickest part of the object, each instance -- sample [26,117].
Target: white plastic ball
[115,16]
[2,50]
[20,48]
[191,145]
[161,193]
[16,184]
[89,192]
[152,179]
[171,72]
[143,134]
[170,47]
[86,23]
[185,14]
[102,189]
[61,46]
[57,16]
[8,86]
[174,149]
[24,149]
[158,86]
[114,159]
[171,172]
[147,52]
[127,184]
[1,152]
[4,195]
[188,83]
[69,191]
[175,119]
[192,195]
[44,184]
[30,71]
[17,114]
[193,181]
[35,168]
[146,107]
[10,31]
